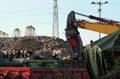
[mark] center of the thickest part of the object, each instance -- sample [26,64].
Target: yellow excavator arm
[98,27]
[104,25]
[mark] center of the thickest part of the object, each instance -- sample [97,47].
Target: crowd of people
[37,46]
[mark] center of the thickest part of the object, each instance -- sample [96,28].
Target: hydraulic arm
[98,27]
[105,26]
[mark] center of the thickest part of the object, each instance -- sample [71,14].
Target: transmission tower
[55,30]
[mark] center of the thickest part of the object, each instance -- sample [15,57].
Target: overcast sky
[39,14]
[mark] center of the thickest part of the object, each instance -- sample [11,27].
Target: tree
[30,31]
[16,32]
[3,34]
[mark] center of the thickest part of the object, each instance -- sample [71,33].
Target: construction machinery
[100,56]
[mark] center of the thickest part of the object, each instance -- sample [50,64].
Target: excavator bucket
[73,39]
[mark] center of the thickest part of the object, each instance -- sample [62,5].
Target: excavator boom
[98,27]
[105,26]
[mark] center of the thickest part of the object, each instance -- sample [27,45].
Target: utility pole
[100,3]
[55,30]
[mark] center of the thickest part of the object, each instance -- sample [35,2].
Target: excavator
[100,55]
[104,25]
